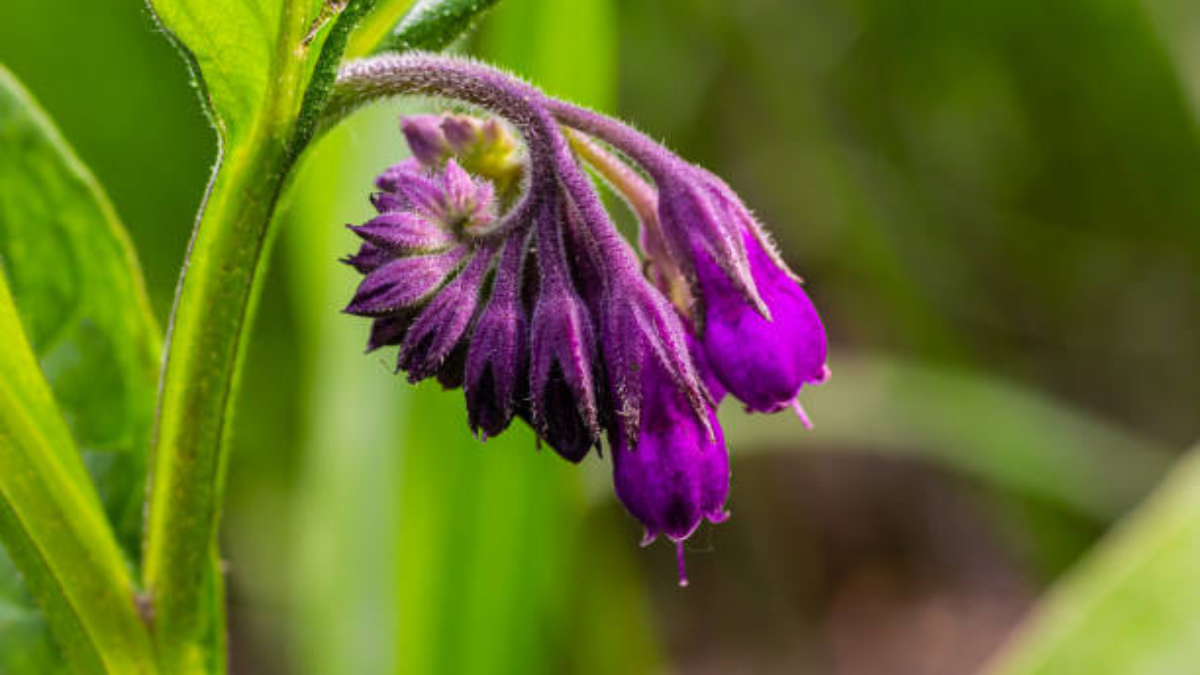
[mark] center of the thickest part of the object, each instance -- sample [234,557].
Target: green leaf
[325,70]
[79,292]
[366,26]
[245,55]
[53,526]
[1133,604]
[996,432]
[376,27]
[432,25]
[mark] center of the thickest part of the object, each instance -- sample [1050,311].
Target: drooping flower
[498,356]
[779,320]
[495,267]
[761,333]
[672,471]
[562,349]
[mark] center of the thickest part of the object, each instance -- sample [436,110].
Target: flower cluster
[494,267]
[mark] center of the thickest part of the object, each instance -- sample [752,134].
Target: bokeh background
[996,204]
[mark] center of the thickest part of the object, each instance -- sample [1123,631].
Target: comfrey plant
[542,311]
[491,265]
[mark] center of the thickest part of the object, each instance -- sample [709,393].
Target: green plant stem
[212,310]
[53,525]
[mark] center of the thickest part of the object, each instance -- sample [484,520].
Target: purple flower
[495,267]
[761,333]
[788,349]
[778,319]
[422,281]
[438,328]
[498,357]
[673,474]
[562,347]
[485,148]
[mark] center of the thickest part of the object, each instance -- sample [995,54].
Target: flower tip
[425,139]
[804,419]
[718,516]
[823,375]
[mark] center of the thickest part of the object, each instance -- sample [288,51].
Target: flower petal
[404,232]
[440,325]
[674,475]
[498,358]
[763,363]
[404,282]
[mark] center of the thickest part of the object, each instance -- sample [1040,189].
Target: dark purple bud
[673,474]
[639,326]
[460,131]
[389,330]
[425,139]
[368,259]
[450,374]
[437,330]
[562,351]
[497,359]
[636,321]
[762,362]
[386,201]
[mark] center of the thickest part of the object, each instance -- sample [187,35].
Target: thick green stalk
[206,340]
[205,345]
[53,526]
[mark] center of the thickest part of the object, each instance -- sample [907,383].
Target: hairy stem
[367,80]
[639,147]
[641,197]
[206,340]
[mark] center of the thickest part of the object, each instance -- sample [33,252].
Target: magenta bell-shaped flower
[676,474]
[789,349]
[761,334]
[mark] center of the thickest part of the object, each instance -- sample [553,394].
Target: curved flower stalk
[500,271]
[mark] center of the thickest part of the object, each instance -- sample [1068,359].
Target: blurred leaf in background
[78,289]
[121,94]
[1131,606]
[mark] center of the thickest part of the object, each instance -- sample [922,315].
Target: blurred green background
[996,204]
